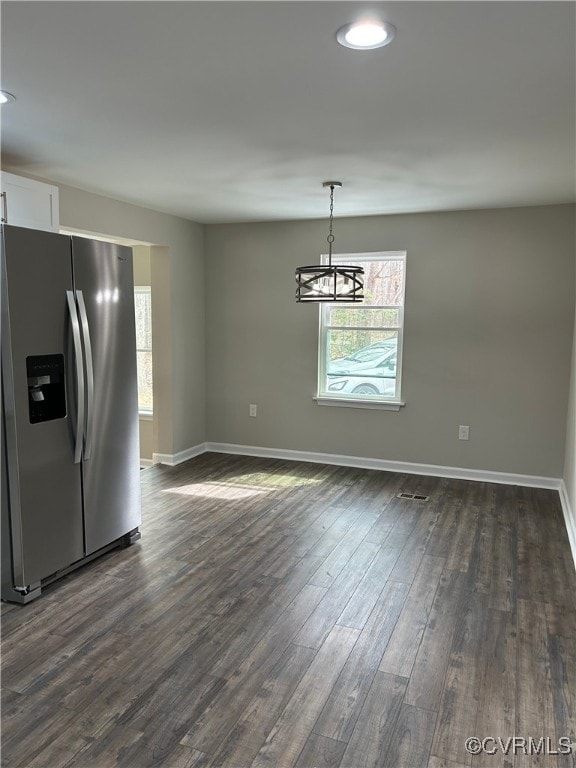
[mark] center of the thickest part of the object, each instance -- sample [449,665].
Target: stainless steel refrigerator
[70,446]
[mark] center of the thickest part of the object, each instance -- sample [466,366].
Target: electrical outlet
[463,432]
[254,410]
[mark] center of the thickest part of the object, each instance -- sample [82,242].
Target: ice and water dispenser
[46,388]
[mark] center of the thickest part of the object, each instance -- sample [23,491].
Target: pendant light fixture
[330,282]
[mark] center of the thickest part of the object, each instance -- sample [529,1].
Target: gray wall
[489,326]
[142,265]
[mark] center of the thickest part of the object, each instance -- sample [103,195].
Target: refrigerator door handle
[89,376]
[75,325]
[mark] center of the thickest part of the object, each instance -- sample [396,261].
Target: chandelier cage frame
[330,282]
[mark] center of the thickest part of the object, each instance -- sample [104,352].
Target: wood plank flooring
[280,614]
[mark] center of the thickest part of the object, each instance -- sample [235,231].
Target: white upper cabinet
[28,203]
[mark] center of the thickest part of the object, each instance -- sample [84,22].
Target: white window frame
[350,400]
[143,412]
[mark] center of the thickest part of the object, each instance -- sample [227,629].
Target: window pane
[361,362]
[367,318]
[143,314]
[383,281]
[362,344]
[144,364]
[143,318]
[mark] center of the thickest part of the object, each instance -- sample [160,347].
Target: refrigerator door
[42,503]
[104,285]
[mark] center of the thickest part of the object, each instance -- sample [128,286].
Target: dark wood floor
[285,614]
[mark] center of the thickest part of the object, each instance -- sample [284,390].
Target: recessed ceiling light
[366,35]
[5,97]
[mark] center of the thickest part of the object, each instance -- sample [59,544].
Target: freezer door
[104,285]
[42,504]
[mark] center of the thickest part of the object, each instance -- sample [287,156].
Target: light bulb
[366,35]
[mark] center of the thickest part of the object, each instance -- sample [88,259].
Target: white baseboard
[172,459]
[457,473]
[569,518]
[146,463]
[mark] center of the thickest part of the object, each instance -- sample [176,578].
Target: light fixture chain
[330,237]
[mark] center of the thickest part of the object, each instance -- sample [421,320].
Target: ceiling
[237,111]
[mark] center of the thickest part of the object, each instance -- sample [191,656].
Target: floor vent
[415,496]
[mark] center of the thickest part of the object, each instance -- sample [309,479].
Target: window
[360,346]
[143,314]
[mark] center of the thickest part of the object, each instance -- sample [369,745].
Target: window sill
[382,405]
[145,415]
